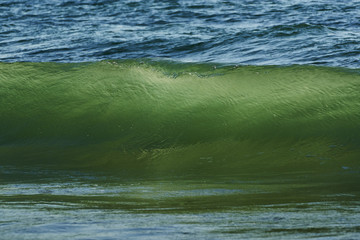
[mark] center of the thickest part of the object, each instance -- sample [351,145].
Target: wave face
[161,118]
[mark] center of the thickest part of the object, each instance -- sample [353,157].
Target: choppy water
[179,119]
[248,32]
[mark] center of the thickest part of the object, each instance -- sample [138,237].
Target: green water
[144,149]
[147,117]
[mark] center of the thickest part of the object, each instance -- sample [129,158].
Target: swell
[161,117]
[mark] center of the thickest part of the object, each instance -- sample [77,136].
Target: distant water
[179,119]
[271,32]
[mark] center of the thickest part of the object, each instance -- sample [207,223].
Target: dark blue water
[275,32]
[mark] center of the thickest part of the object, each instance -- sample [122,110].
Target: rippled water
[74,205]
[142,145]
[246,32]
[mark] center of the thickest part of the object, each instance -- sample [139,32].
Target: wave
[160,117]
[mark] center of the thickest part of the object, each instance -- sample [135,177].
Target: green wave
[170,118]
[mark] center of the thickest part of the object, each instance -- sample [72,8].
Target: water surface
[179,119]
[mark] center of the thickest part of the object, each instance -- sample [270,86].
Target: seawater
[179,120]
[161,149]
[57,205]
[242,32]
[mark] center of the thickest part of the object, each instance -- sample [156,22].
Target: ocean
[179,119]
